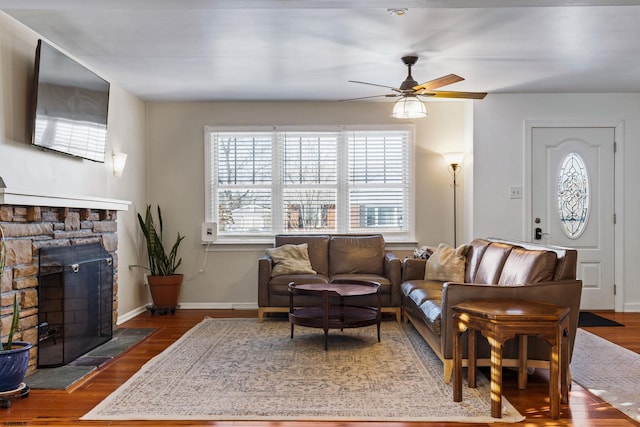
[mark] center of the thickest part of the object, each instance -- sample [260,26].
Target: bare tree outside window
[302,181]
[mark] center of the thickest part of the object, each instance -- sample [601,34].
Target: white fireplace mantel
[33,198]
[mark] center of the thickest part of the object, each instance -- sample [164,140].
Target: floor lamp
[454,162]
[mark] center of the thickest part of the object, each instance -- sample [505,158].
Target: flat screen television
[71,106]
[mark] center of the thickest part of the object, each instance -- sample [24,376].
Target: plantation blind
[333,180]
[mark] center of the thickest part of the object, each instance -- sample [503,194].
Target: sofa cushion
[279,285]
[383,281]
[426,298]
[290,259]
[298,279]
[446,264]
[318,249]
[421,294]
[432,312]
[491,264]
[528,266]
[356,254]
[474,255]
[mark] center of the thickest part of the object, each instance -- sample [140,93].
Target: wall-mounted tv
[71,106]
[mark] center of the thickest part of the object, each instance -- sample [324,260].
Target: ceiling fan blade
[391,95]
[451,94]
[373,84]
[439,82]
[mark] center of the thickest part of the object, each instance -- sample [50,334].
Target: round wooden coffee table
[333,310]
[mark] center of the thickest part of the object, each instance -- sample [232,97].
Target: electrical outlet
[515,192]
[209,232]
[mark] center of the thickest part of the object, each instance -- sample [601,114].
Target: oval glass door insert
[573,195]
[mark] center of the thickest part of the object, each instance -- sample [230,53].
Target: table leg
[378,314]
[325,315]
[522,362]
[471,358]
[496,378]
[554,396]
[291,310]
[457,365]
[565,376]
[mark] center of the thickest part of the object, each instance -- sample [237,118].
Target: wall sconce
[119,160]
[454,161]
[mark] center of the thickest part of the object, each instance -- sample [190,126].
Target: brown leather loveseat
[493,269]
[333,256]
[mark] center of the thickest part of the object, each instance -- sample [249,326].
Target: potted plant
[14,355]
[164,282]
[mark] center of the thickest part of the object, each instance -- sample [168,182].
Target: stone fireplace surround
[35,220]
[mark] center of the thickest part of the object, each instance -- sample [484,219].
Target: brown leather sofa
[357,257]
[494,269]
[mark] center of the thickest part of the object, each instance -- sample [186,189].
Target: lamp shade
[409,107]
[453,158]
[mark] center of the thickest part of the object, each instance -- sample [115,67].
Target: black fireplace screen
[75,299]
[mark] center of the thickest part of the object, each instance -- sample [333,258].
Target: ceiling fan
[410,91]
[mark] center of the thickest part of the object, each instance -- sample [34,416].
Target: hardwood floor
[59,408]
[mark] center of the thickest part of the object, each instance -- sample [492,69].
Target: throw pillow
[424,252]
[290,259]
[446,264]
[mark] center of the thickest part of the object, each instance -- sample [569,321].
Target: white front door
[572,202]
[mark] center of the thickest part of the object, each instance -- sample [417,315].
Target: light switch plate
[515,192]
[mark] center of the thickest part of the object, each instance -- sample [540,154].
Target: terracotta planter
[165,290]
[13,365]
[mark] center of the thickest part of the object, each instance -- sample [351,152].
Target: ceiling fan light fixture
[409,107]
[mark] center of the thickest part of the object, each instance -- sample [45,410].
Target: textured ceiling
[197,50]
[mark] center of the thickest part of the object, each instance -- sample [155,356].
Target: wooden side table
[500,321]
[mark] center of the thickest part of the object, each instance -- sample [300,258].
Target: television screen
[71,105]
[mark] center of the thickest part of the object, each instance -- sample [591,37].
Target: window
[298,180]
[573,195]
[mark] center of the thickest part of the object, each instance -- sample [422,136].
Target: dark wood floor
[48,407]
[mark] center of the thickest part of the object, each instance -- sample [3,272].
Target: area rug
[588,319]
[240,369]
[609,371]
[64,377]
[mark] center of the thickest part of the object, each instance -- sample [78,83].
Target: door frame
[618,179]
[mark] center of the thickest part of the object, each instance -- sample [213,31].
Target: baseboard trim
[192,306]
[632,307]
[130,315]
[219,306]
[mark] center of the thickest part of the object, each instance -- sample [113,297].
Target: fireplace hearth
[75,300]
[33,221]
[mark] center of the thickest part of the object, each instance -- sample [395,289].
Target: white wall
[498,159]
[174,137]
[24,167]
[176,148]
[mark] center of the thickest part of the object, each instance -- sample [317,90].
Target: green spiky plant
[14,324]
[16,308]
[160,263]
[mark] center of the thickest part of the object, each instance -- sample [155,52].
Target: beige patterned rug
[239,369]
[609,371]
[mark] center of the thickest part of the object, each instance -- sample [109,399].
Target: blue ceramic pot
[13,365]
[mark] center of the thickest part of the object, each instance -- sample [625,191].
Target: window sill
[261,245]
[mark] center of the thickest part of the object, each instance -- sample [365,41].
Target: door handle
[538,233]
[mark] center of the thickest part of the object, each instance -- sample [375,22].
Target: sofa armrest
[564,293]
[264,276]
[413,269]
[393,272]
